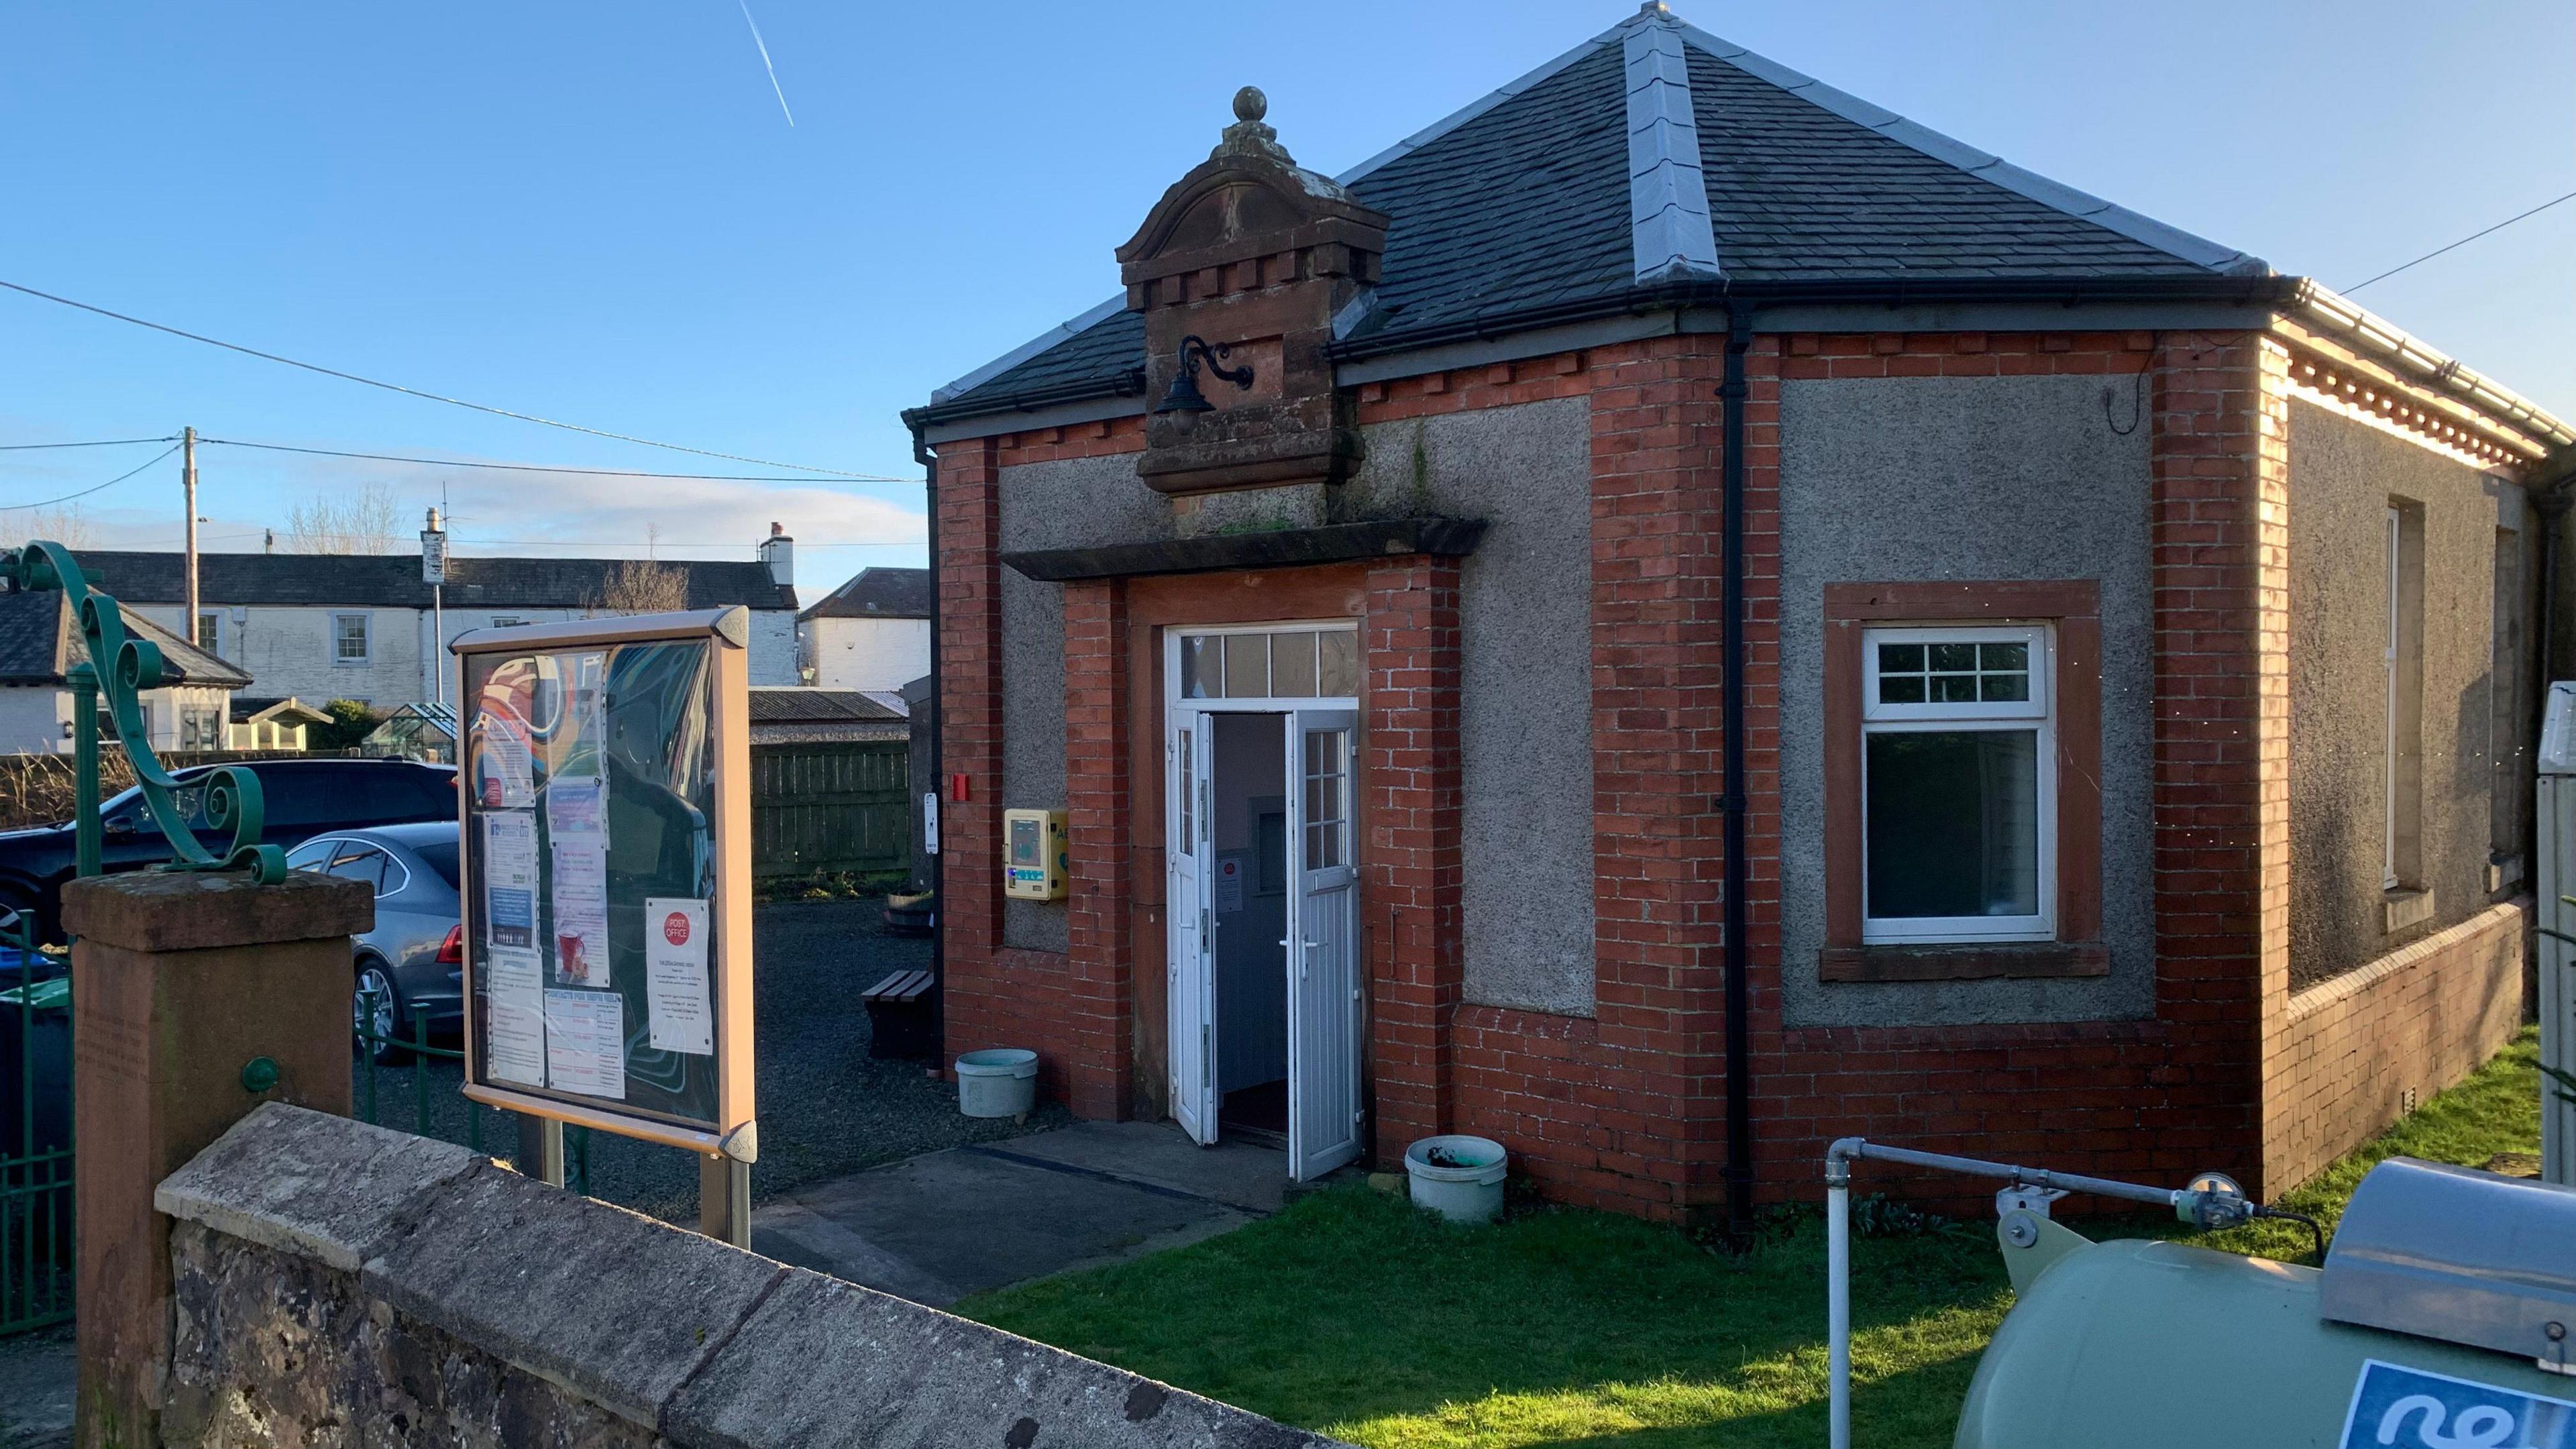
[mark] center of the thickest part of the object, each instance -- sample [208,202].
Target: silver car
[413,961]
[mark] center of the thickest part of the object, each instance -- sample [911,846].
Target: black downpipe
[1733,391]
[929,462]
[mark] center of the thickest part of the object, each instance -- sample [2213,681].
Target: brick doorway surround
[1098,1013]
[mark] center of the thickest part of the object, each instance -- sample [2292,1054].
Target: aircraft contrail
[764,61]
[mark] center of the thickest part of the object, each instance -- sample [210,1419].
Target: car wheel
[376,1011]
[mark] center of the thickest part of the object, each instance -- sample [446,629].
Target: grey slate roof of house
[392,581]
[1523,202]
[784,705]
[878,593]
[37,644]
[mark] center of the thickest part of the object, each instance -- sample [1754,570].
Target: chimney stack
[779,552]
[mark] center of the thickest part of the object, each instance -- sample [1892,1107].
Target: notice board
[604,797]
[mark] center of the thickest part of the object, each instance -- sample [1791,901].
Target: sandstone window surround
[1963,695]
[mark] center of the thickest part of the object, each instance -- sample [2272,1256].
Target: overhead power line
[549,467]
[84,493]
[417,392]
[2464,241]
[94,443]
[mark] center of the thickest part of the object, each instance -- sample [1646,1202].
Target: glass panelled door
[1323,955]
[1192,985]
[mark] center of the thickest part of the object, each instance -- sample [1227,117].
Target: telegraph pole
[188,483]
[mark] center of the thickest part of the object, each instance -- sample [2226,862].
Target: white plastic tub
[1458,1177]
[1002,1082]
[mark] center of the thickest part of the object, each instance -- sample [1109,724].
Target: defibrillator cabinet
[1034,854]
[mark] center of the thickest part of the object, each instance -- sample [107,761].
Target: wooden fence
[830,807]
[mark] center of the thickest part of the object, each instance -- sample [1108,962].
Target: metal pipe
[929,462]
[2020,1176]
[1838,1291]
[1733,391]
[1838,1160]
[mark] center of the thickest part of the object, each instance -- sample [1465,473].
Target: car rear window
[355,793]
[439,856]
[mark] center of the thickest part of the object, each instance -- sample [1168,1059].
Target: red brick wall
[1410,866]
[1073,1009]
[2354,1053]
[1099,986]
[970,723]
[1625,1109]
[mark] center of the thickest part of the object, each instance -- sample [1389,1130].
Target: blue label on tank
[2395,1407]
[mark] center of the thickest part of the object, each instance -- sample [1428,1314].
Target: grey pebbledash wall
[1525,687]
[1074,503]
[1894,480]
[2343,475]
[336,1281]
[1526,650]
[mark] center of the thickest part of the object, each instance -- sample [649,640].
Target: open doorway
[1262,754]
[1248,910]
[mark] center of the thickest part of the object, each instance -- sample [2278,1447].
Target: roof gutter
[1675,295]
[2376,338]
[1128,383]
[1897,292]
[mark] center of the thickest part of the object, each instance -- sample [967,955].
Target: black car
[301,799]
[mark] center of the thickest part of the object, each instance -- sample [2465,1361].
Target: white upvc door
[1192,983]
[1322,955]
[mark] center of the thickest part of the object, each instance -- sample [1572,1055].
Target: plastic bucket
[1002,1082]
[1460,1178]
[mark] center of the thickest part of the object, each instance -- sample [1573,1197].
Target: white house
[39,641]
[321,627]
[870,633]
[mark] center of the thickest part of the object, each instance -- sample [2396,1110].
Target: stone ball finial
[1250,104]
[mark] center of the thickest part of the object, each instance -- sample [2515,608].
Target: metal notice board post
[606,817]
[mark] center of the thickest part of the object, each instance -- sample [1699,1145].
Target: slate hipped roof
[392,580]
[876,593]
[38,642]
[1656,156]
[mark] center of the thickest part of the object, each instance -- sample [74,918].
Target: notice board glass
[606,880]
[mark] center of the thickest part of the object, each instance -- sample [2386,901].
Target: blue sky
[599,213]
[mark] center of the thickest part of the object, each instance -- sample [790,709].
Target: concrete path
[940,1227]
[36,1372]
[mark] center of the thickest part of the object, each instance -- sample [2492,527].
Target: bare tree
[640,586]
[67,525]
[366,519]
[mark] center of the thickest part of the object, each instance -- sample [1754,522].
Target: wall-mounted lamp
[1183,396]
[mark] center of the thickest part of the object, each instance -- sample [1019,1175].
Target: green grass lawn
[1354,1314]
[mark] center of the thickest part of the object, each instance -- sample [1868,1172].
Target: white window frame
[1269,703]
[2395,544]
[366,641]
[216,618]
[1983,715]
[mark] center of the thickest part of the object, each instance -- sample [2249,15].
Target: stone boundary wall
[2355,1052]
[336,1282]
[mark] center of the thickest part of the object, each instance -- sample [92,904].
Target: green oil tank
[2440,1320]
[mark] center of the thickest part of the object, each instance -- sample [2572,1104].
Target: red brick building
[1675,615]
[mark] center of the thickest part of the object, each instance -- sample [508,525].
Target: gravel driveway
[826,1108]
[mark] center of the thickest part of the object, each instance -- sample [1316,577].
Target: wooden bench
[902,1019]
